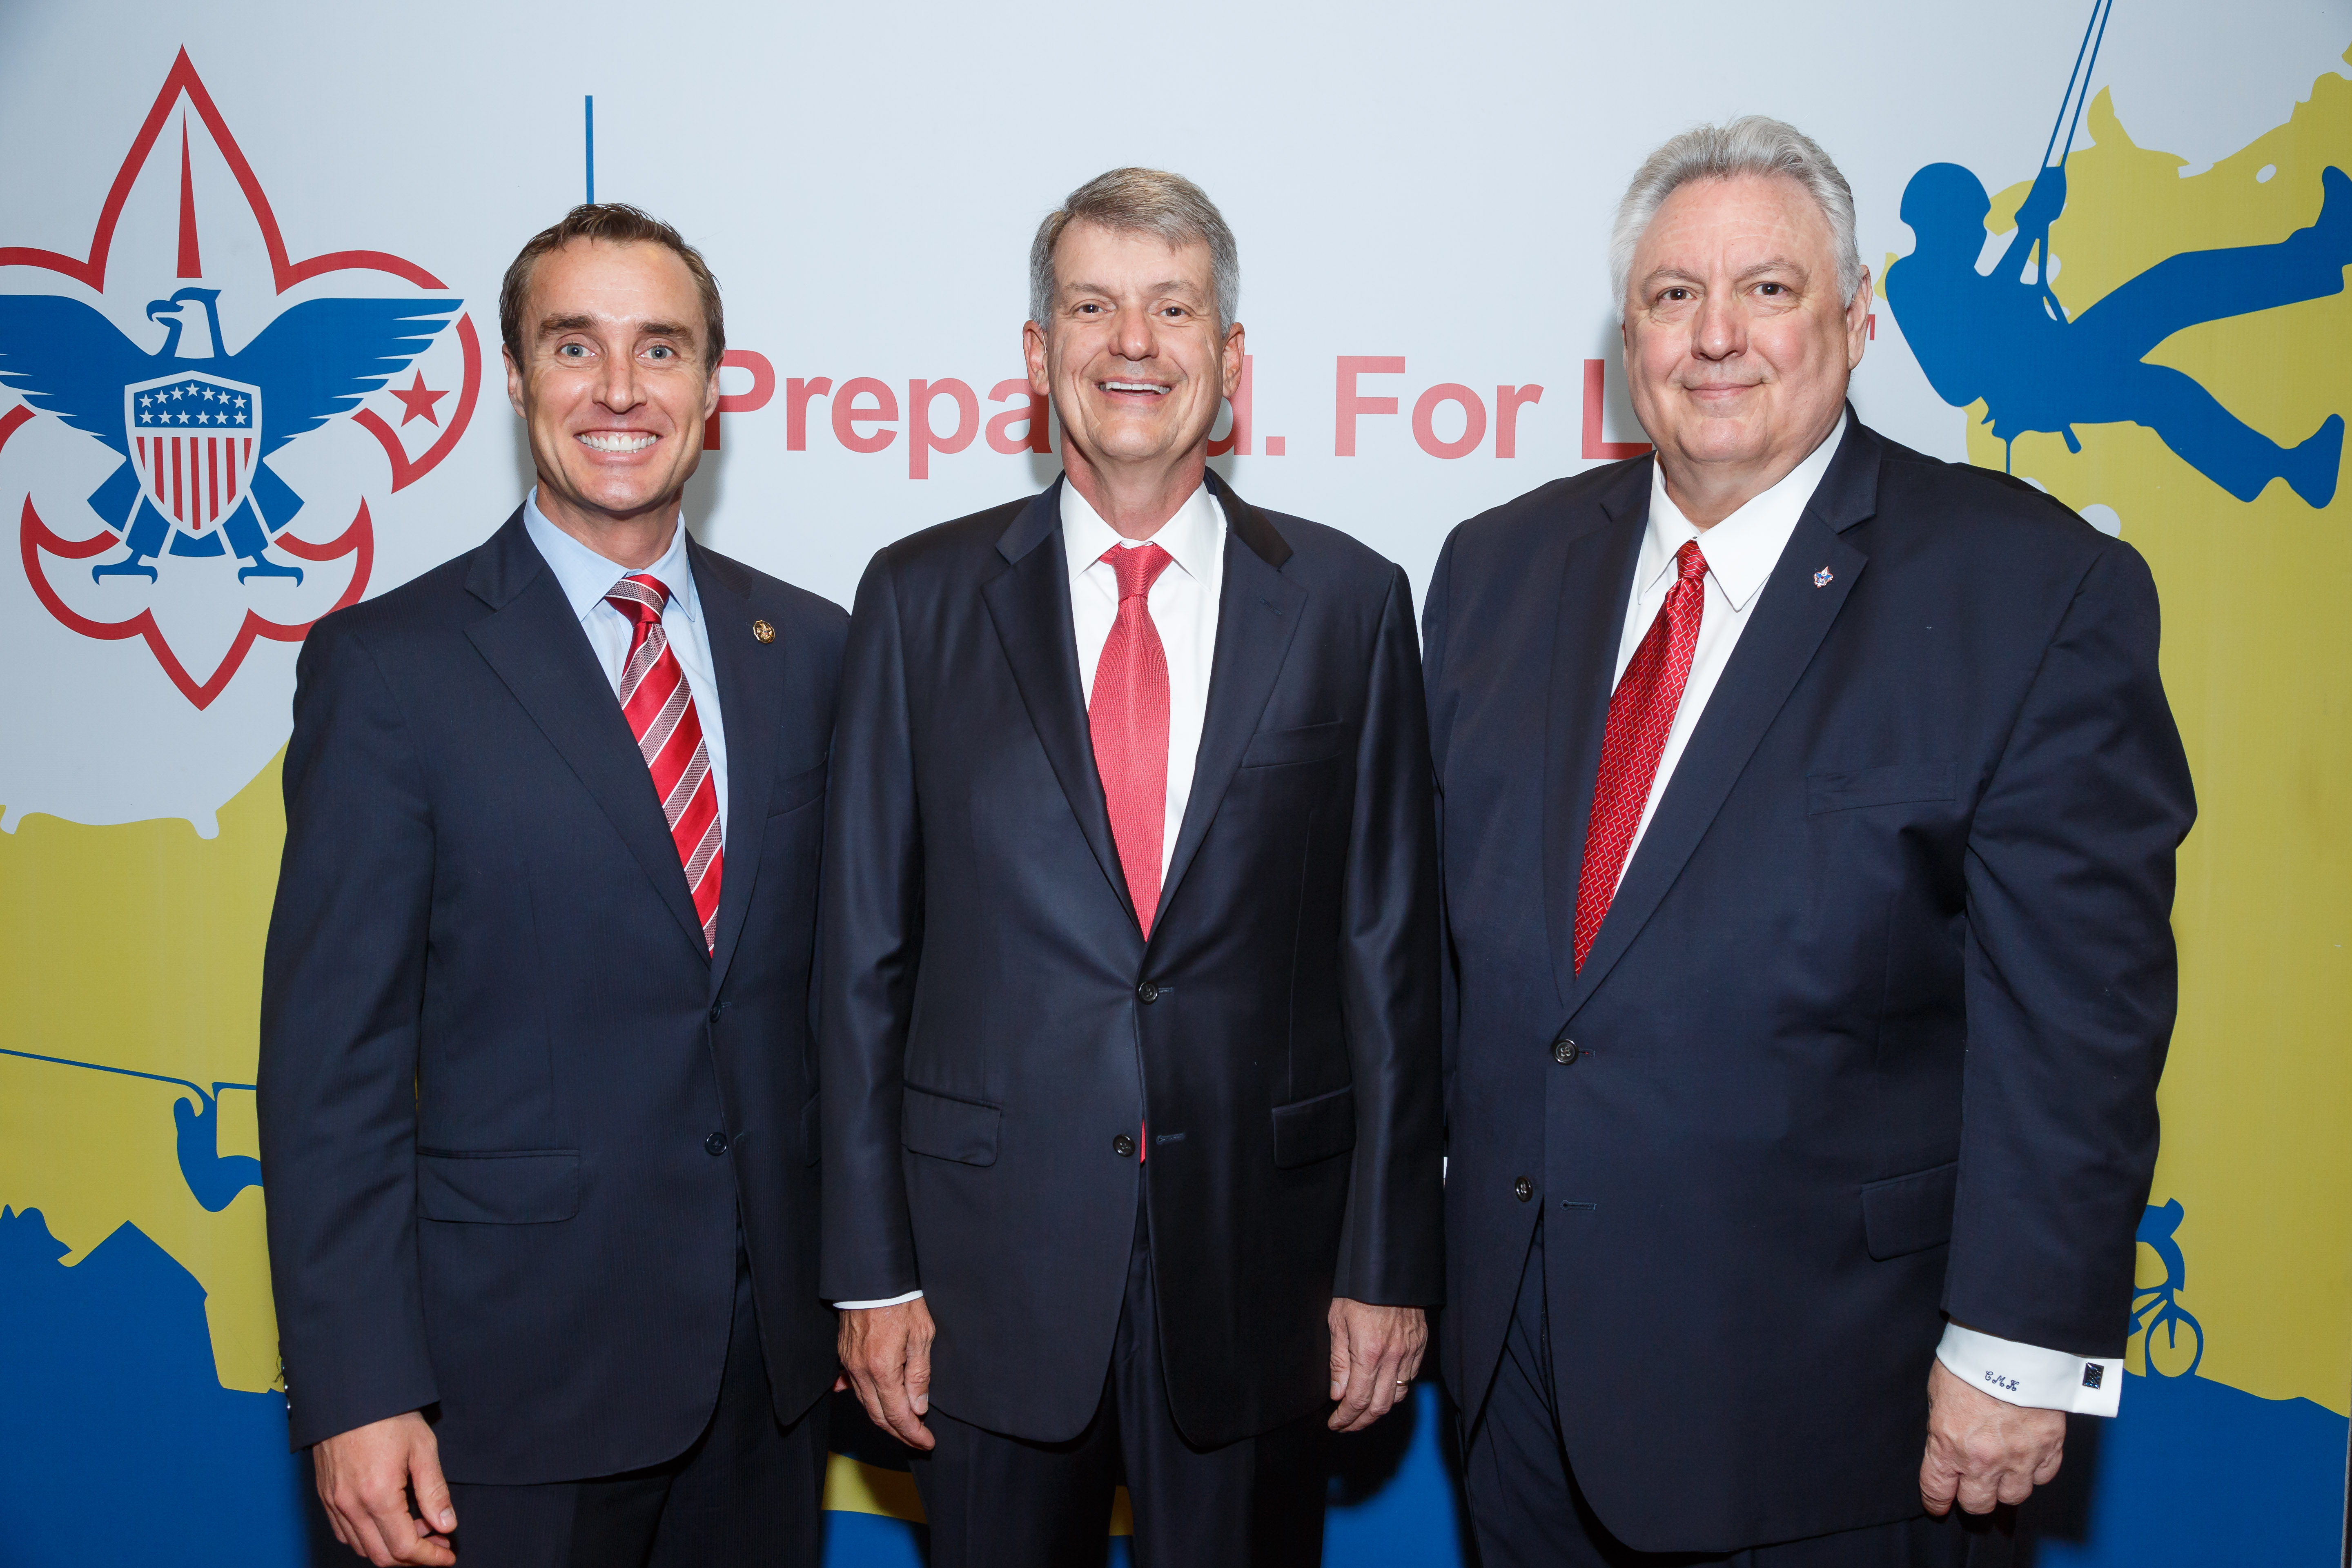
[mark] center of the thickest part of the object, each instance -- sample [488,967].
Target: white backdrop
[1428,183]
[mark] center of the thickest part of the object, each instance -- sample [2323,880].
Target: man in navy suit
[1131,984]
[1808,813]
[537,1080]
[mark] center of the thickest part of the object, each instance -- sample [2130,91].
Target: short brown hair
[619,224]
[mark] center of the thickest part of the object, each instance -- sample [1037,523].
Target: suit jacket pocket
[523,1186]
[1891,786]
[794,792]
[1307,1131]
[1307,743]
[1909,1214]
[949,1129]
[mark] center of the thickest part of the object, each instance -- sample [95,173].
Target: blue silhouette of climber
[2006,340]
[214,1178]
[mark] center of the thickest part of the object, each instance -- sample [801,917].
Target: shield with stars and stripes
[193,439]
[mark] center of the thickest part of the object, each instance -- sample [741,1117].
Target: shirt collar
[586,577]
[1190,537]
[1742,549]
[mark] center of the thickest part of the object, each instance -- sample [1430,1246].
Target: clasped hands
[886,1357]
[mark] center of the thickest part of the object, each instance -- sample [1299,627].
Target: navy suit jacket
[511,1109]
[1872,1030]
[995,1023]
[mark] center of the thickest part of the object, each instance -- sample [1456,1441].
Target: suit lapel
[1595,585]
[750,677]
[534,643]
[1258,612]
[1789,622]
[1030,603]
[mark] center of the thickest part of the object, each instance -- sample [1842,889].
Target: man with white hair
[1808,814]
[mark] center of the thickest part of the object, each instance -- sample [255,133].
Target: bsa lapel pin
[763,631]
[1821,580]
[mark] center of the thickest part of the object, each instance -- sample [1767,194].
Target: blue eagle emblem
[193,434]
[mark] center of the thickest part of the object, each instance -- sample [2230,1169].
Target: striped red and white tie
[659,706]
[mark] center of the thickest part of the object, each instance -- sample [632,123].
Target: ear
[514,382]
[711,392]
[1236,347]
[1857,321]
[1032,353]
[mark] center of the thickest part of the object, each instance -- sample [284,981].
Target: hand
[1984,1450]
[368,1478]
[2044,202]
[886,1356]
[1375,1353]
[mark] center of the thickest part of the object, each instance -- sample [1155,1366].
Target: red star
[417,402]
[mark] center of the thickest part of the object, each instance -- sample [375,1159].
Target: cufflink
[763,631]
[2092,1373]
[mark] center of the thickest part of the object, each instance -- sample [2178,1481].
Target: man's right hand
[367,1478]
[886,1355]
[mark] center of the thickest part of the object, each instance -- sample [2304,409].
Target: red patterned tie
[1641,712]
[659,706]
[1129,716]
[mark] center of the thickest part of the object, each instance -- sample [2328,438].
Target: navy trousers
[996,1501]
[1528,1511]
[746,1492]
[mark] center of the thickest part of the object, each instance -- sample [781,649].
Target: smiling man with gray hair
[1808,1000]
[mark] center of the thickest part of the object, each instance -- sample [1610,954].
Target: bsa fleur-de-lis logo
[202,384]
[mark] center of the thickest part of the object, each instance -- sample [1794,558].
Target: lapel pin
[763,631]
[1821,580]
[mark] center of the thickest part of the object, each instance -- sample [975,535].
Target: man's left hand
[1984,1450]
[1375,1353]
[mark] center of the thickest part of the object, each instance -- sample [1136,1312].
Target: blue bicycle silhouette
[2154,1307]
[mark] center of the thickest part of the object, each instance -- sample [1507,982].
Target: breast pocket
[1306,743]
[792,794]
[1896,784]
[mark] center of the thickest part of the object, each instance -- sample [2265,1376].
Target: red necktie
[659,706]
[1641,713]
[1128,717]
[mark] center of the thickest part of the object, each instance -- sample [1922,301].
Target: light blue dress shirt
[586,577]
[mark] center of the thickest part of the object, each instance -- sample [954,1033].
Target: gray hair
[1751,144]
[1141,201]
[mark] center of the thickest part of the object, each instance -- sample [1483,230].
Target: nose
[1132,337]
[616,388]
[1720,329]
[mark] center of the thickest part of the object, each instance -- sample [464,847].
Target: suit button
[1123,1146]
[1523,1189]
[717,1008]
[1565,1051]
[1147,993]
[716,1143]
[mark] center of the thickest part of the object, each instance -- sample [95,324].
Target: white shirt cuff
[869,1306]
[2030,1375]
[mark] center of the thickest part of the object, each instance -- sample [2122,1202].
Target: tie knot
[1138,567]
[641,596]
[1689,564]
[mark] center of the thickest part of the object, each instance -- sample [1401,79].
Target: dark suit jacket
[993,1018]
[510,1109]
[1873,1025]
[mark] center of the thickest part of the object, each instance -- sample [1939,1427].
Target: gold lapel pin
[763,631]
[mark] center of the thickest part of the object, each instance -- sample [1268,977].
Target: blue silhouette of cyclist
[2005,340]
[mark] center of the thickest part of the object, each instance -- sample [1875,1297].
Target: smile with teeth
[1153,387]
[618,441]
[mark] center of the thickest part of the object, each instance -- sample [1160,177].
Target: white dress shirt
[1741,552]
[586,577]
[1183,604]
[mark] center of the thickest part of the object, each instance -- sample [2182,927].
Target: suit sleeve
[342,990]
[872,926]
[1390,1252]
[2071,979]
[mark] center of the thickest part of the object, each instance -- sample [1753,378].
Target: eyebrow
[552,325]
[1166,286]
[1656,276]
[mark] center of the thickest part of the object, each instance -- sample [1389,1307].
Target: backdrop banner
[225,232]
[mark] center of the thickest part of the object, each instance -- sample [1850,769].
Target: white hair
[1751,144]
